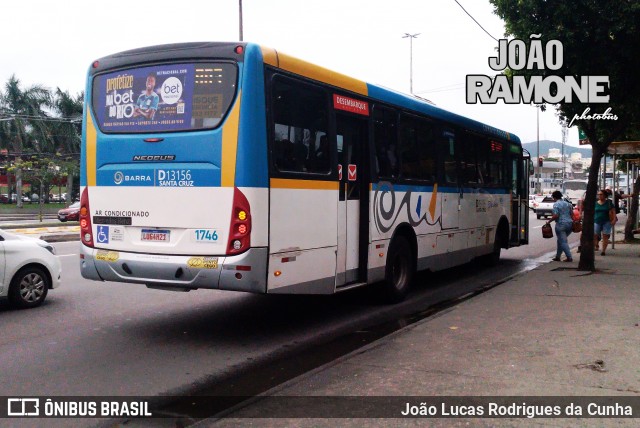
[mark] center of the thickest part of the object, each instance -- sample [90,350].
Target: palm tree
[66,134]
[22,127]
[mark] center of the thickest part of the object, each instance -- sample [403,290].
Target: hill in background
[545,145]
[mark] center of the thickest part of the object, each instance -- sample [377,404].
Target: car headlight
[47,247]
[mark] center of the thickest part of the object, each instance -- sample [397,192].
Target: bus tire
[29,287]
[399,271]
[494,257]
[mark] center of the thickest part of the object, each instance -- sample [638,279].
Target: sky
[53,44]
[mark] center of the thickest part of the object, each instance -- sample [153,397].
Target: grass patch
[31,208]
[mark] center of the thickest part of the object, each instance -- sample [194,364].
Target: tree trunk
[69,189]
[587,255]
[41,203]
[9,192]
[19,188]
[632,212]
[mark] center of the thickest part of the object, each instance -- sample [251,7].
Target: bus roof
[321,74]
[203,50]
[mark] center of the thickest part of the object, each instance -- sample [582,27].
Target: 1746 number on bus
[206,235]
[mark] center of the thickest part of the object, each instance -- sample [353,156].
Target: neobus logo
[143,158]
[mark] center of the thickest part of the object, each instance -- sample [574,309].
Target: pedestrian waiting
[562,214]
[604,220]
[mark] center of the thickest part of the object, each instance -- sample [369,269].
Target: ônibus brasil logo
[538,89]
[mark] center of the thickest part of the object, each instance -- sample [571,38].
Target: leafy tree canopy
[599,38]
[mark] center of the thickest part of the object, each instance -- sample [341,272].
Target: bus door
[520,167]
[353,237]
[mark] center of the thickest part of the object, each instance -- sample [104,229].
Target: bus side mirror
[530,167]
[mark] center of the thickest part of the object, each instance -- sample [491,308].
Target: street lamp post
[411,37]
[240,12]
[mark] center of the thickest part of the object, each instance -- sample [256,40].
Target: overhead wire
[457,86]
[474,20]
[11,116]
[452,87]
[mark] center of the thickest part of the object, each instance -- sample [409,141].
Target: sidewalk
[553,331]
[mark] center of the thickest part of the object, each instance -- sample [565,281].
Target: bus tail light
[240,230]
[86,236]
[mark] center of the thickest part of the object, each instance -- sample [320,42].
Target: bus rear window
[161,98]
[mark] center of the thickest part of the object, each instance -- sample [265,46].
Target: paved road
[93,338]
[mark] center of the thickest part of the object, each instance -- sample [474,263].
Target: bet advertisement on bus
[145,99]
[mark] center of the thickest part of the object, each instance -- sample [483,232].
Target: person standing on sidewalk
[562,211]
[604,219]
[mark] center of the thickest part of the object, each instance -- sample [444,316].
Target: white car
[544,208]
[535,200]
[31,268]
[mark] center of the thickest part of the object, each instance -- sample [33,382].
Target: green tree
[67,131]
[37,169]
[600,38]
[21,125]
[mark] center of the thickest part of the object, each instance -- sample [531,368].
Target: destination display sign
[340,102]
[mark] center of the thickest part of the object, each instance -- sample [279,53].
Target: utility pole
[411,37]
[538,187]
[565,131]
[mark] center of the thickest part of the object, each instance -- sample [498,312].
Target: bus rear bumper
[244,272]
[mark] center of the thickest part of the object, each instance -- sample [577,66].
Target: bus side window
[482,153]
[385,134]
[448,144]
[428,151]
[299,121]
[468,164]
[496,164]
[417,149]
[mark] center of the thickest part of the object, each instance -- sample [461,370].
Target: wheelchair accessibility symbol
[103,235]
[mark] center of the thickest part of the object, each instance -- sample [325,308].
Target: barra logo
[537,89]
[120,178]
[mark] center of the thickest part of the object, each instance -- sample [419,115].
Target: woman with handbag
[604,219]
[562,211]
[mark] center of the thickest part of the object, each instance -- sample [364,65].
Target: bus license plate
[154,235]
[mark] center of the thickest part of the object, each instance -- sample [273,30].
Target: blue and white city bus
[237,167]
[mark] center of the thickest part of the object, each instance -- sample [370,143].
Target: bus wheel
[494,257]
[399,271]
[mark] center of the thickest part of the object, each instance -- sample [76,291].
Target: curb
[9,226]
[61,237]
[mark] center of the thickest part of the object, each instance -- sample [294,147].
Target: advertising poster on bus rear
[146,99]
